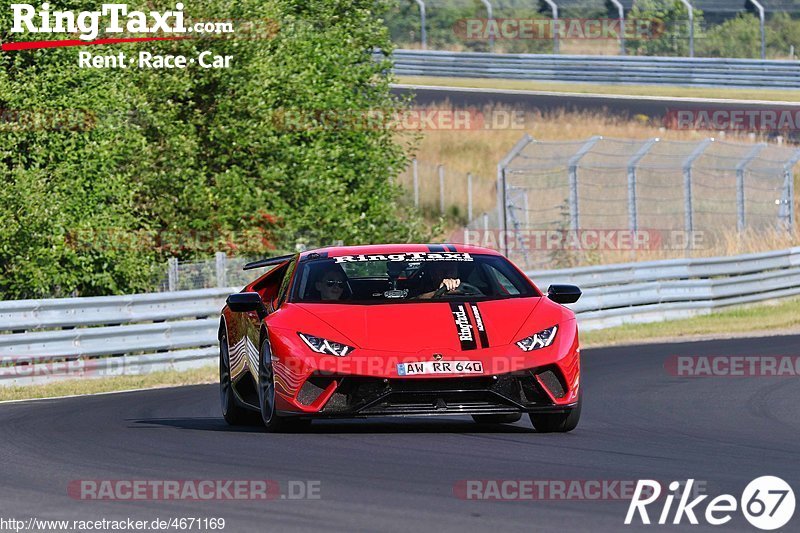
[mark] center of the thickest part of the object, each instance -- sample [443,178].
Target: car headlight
[543,339]
[320,345]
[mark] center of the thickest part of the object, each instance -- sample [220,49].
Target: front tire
[558,422]
[273,423]
[233,413]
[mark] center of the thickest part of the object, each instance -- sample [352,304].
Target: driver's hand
[451,284]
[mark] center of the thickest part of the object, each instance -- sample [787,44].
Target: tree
[182,162]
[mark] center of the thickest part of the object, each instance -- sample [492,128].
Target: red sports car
[399,330]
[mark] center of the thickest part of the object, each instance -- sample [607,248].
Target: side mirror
[245,302]
[564,294]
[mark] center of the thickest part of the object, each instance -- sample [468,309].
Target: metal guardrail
[47,340]
[697,72]
[675,288]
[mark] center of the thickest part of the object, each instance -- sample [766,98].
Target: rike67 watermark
[767,502]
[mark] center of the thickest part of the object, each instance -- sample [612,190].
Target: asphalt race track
[623,106]
[398,475]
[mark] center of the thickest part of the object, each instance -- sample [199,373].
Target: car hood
[412,327]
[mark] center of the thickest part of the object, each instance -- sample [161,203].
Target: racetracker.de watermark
[413,119]
[732,366]
[734,119]
[479,29]
[193,489]
[551,489]
[583,239]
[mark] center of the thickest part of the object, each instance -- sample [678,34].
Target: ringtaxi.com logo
[768,503]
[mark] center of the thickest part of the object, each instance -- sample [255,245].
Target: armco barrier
[46,340]
[698,72]
[675,288]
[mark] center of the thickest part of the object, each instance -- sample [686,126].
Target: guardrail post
[415,174]
[441,189]
[488,6]
[687,187]
[502,193]
[633,214]
[691,26]
[172,273]
[469,196]
[621,11]
[740,169]
[423,32]
[221,264]
[574,214]
[554,10]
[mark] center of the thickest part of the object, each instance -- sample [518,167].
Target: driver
[444,274]
[331,283]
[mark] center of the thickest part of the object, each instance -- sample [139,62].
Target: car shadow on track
[377,425]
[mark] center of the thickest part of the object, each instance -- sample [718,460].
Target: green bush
[741,37]
[155,163]
[671,22]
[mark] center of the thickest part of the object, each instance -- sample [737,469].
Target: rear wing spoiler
[270,261]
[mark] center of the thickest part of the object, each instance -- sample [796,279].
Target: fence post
[740,200]
[423,33]
[502,206]
[688,208]
[574,214]
[761,24]
[788,201]
[621,11]
[172,273]
[554,9]
[633,214]
[488,6]
[469,196]
[415,173]
[221,261]
[441,189]
[691,26]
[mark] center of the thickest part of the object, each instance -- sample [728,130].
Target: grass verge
[172,378]
[758,319]
[627,90]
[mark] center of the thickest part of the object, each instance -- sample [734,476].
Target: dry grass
[752,319]
[73,387]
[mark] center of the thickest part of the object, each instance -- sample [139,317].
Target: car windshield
[408,277]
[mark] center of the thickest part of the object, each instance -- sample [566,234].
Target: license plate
[439,367]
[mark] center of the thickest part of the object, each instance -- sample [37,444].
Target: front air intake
[550,379]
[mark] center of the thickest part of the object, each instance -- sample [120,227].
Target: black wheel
[233,413]
[266,397]
[497,419]
[557,422]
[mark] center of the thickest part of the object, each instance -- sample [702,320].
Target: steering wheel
[465,289]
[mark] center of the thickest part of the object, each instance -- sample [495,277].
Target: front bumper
[540,390]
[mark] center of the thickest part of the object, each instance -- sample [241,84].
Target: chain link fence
[438,190]
[222,271]
[688,28]
[666,193]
